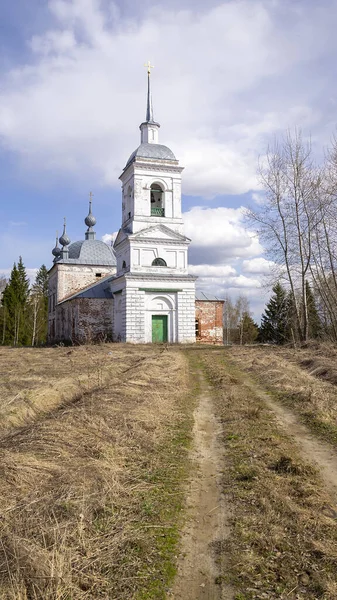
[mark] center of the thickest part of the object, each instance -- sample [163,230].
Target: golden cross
[149,67]
[91,196]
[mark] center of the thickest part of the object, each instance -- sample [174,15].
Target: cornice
[154,167]
[137,241]
[167,278]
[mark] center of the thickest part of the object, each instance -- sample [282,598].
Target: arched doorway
[160,319]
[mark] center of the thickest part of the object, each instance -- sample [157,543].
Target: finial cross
[149,67]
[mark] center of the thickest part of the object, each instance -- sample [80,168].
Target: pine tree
[315,324]
[38,305]
[15,302]
[274,322]
[250,330]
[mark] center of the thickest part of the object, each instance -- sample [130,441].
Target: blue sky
[228,77]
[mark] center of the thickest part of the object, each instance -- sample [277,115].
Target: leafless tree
[287,221]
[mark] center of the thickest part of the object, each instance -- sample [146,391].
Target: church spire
[149,106]
[149,129]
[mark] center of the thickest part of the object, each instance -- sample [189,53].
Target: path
[207,513]
[312,450]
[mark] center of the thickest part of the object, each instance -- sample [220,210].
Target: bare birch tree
[286,222]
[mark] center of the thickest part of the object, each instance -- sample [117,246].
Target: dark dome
[157,151]
[91,252]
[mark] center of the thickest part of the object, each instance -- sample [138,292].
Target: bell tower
[151,179]
[151,248]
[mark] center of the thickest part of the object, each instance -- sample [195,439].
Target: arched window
[157,200]
[129,202]
[124,265]
[159,262]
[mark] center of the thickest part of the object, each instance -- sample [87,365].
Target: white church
[138,291]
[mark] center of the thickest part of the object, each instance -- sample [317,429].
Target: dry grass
[283,541]
[303,379]
[35,380]
[91,493]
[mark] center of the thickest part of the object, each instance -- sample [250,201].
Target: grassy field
[94,464]
[91,483]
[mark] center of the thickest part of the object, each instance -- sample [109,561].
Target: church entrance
[159,328]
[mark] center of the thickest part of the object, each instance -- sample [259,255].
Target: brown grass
[33,381]
[298,378]
[91,492]
[283,541]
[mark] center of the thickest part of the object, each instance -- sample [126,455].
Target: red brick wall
[209,315]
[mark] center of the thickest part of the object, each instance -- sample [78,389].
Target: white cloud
[109,238]
[76,105]
[211,270]
[218,234]
[258,266]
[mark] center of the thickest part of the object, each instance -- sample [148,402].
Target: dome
[90,220]
[56,251]
[91,252]
[156,151]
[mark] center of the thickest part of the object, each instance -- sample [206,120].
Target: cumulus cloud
[258,266]
[218,235]
[76,105]
[109,238]
[220,243]
[211,270]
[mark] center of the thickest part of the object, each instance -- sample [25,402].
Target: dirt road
[207,511]
[264,467]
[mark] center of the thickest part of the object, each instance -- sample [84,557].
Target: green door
[159,328]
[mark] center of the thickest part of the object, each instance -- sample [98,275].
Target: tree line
[297,223]
[24,307]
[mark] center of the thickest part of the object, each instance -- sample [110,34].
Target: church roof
[90,252]
[157,151]
[206,297]
[99,289]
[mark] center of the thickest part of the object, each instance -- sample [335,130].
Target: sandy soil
[207,513]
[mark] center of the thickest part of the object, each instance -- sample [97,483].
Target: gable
[159,232]
[120,237]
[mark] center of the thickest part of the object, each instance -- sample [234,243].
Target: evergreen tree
[250,330]
[38,305]
[315,325]
[15,302]
[274,322]
[3,283]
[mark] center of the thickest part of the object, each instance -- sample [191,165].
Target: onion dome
[57,250]
[64,239]
[90,220]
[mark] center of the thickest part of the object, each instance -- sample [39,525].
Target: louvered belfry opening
[157,201]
